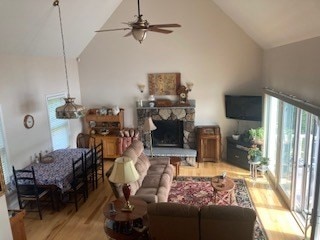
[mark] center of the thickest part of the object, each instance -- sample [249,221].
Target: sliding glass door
[305,171]
[272,128]
[287,148]
[292,145]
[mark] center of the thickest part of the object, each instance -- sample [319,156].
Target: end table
[175,161]
[119,225]
[223,190]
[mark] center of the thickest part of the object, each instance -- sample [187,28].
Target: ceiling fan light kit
[69,110]
[139,34]
[140,27]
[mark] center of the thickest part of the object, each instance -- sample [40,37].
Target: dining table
[58,171]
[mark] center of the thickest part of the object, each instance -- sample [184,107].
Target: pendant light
[69,110]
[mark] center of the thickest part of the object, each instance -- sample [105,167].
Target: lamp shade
[70,110]
[123,171]
[148,125]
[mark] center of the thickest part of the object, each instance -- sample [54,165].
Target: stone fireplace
[183,114]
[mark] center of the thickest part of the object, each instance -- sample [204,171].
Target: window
[292,144]
[272,128]
[59,128]
[288,133]
[3,152]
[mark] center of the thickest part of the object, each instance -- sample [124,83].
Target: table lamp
[124,172]
[148,127]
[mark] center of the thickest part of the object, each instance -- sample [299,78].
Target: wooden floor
[87,223]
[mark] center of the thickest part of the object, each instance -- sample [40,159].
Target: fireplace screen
[169,133]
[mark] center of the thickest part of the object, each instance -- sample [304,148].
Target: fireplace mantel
[146,106]
[183,113]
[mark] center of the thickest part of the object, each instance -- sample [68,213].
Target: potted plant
[236,134]
[254,154]
[264,163]
[256,135]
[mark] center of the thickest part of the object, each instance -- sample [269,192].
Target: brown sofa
[174,221]
[155,179]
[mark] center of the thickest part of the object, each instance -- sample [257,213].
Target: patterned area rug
[198,191]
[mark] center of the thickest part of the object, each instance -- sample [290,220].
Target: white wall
[294,69]
[25,82]
[209,50]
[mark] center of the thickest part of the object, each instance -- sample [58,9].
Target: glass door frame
[315,217]
[288,199]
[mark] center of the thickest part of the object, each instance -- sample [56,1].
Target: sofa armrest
[160,160]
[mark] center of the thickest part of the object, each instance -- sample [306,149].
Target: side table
[223,190]
[120,225]
[175,161]
[253,169]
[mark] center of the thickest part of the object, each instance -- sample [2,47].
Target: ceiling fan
[140,27]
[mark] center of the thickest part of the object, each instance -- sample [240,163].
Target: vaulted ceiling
[32,27]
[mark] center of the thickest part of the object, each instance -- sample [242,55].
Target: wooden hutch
[105,127]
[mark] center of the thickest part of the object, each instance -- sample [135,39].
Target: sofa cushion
[151,181]
[137,146]
[173,221]
[131,153]
[227,222]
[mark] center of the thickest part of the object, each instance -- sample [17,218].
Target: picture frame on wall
[2,184]
[161,84]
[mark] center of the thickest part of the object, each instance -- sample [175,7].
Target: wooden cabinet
[17,224]
[110,145]
[105,128]
[237,153]
[208,143]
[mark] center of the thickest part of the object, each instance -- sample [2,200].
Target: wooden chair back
[85,141]
[27,188]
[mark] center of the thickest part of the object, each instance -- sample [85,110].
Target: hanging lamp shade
[69,110]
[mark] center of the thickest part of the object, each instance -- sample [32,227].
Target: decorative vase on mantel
[151,101]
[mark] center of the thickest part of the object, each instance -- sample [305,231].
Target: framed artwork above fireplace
[163,83]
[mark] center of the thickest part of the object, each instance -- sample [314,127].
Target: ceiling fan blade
[115,29]
[128,34]
[165,25]
[154,29]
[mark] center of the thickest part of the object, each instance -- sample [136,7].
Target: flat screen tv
[244,107]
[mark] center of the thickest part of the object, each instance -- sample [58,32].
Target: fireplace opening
[169,133]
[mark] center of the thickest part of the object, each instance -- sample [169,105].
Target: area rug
[198,191]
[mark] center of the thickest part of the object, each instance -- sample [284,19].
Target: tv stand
[237,153]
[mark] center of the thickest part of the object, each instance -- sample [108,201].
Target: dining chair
[85,141]
[90,169]
[99,163]
[28,191]
[78,184]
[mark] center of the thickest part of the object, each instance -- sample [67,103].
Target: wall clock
[28,121]
[183,96]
